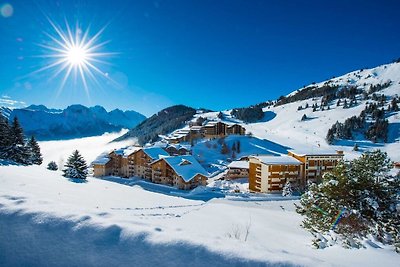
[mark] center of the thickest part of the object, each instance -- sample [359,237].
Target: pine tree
[17,134]
[17,150]
[75,167]
[287,190]
[52,166]
[358,198]
[304,117]
[233,147]
[5,141]
[355,148]
[35,157]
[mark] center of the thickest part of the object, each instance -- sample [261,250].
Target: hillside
[161,123]
[45,219]
[286,126]
[282,121]
[72,122]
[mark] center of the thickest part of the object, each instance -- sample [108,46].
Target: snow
[186,166]
[45,219]
[155,152]
[278,160]
[241,164]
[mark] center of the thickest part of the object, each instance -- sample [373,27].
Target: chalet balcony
[258,169]
[258,175]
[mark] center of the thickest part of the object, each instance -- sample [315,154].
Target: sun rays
[74,53]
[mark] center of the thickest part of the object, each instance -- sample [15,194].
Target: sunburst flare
[76,54]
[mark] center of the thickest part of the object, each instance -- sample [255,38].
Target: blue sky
[213,54]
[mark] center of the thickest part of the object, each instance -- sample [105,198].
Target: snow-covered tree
[5,141]
[358,198]
[52,166]
[17,150]
[76,166]
[287,190]
[35,157]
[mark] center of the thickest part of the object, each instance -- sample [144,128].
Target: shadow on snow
[58,242]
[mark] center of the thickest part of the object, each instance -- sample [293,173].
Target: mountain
[161,123]
[73,122]
[301,120]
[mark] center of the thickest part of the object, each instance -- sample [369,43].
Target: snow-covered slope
[72,122]
[47,220]
[287,128]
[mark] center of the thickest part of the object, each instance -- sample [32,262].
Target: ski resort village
[199,133]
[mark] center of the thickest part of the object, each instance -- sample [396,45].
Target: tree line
[15,147]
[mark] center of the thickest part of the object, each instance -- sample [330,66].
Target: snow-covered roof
[315,152]
[186,166]
[119,152]
[278,160]
[242,164]
[102,159]
[155,152]
[196,128]
[179,146]
[126,151]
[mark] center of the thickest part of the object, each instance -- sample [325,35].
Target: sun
[74,52]
[76,56]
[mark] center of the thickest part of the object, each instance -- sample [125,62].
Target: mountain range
[73,122]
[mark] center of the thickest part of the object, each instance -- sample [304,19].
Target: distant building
[221,129]
[268,174]
[178,149]
[211,129]
[237,169]
[183,172]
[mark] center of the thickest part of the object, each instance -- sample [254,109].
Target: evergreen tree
[224,149]
[5,141]
[358,198]
[234,147]
[238,146]
[35,157]
[75,167]
[52,166]
[17,150]
[355,148]
[17,134]
[330,136]
[304,117]
[287,190]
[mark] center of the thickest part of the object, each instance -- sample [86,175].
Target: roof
[242,164]
[155,152]
[101,160]
[189,169]
[278,160]
[315,151]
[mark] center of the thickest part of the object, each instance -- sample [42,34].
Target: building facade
[153,164]
[315,164]
[183,172]
[237,169]
[268,174]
